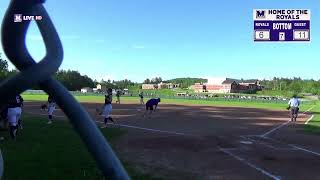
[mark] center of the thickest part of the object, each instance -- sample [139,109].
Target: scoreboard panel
[281,25]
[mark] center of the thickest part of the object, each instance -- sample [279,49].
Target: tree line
[122,84]
[4,72]
[183,82]
[295,85]
[74,81]
[71,79]
[187,82]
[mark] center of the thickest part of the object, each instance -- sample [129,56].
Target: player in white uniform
[294,104]
[107,108]
[20,111]
[141,97]
[118,93]
[14,114]
[51,108]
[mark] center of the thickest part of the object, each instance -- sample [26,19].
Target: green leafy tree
[3,69]
[147,81]
[73,80]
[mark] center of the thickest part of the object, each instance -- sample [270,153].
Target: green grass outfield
[314,125]
[53,152]
[252,104]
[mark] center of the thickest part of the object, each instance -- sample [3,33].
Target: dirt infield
[206,142]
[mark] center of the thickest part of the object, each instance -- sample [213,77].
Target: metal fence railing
[39,74]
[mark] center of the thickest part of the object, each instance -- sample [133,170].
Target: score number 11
[301,35]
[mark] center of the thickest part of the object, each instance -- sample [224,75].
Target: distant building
[101,88]
[86,90]
[228,85]
[172,86]
[198,87]
[160,86]
[149,86]
[125,91]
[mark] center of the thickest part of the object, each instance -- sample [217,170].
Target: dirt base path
[205,142]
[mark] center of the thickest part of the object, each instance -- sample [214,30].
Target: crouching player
[107,108]
[151,106]
[14,114]
[51,107]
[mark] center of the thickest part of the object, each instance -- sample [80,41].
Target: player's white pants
[19,111]
[51,108]
[107,110]
[14,115]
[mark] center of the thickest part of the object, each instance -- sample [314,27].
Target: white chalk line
[269,145]
[309,109]
[309,119]
[296,147]
[250,164]
[274,129]
[225,150]
[260,142]
[45,114]
[284,124]
[124,125]
[305,150]
[146,129]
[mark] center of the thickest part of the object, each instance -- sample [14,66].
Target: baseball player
[294,104]
[51,107]
[107,108]
[14,114]
[141,97]
[118,96]
[20,111]
[151,106]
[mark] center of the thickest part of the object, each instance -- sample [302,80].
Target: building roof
[215,80]
[230,81]
[250,81]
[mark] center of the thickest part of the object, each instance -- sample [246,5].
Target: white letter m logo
[260,14]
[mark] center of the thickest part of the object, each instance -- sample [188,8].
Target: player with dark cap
[293,105]
[20,111]
[141,97]
[151,106]
[107,108]
[14,114]
[51,107]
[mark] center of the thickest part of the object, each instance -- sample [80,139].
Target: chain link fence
[32,74]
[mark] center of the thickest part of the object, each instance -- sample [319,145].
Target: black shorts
[4,113]
[149,107]
[294,110]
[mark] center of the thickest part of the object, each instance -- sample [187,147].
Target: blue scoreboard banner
[281,25]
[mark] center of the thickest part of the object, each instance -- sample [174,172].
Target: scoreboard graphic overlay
[281,25]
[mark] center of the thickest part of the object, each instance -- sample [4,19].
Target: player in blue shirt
[151,106]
